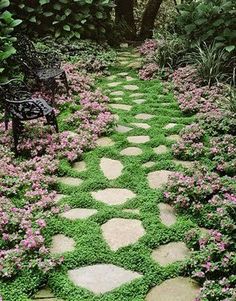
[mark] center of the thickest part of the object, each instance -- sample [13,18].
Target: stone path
[113,237]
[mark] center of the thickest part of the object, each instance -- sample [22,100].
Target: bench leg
[15,128]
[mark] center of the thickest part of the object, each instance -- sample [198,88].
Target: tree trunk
[148,19]
[124,13]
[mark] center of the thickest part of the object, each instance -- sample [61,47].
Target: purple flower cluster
[148,47]
[148,71]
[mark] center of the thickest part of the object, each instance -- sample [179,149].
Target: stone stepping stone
[187,164]
[70,181]
[79,213]
[169,253]
[44,293]
[80,166]
[148,164]
[134,211]
[141,125]
[111,77]
[131,87]
[167,214]
[101,278]
[120,106]
[121,232]
[131,151]
[135,65]
[113,196]
[105,142]
[123,73]
[124,45]
[117,93]
[112,169]
[117,98]
[144,116]
[158,178]
[170,126]
[176,138]
[135,95]
[59,197]
[139,101]
[62,244]
[130,78]
[161,149]
[138,139]
[122,129]
[175,289]
[123,63]
[114,84]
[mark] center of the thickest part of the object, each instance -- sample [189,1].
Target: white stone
[170,126]
[157,179]
[113,196]
[144,116]
[80,166]
[112,169]
[120,106]
[167,214]
[161,149]
[176,138]
[62,244]
[131,151]
[70,181]
[105,142]
[122,129]
[148,164]
[117,93]
[79,213]
[131,87]
[141,125]
[59,197]
[138,139]
[114,84]
[135,95]
[139,101]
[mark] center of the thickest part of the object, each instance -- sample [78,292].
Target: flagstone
[59,197]
[137,95]
[114,84]
[157,179]
[124,45]
[131,87]
[112,169]
[102,278]
[176,138]
[113,196]
[80,166]
[144,116]
[175,289]
[170,126]
[171,252]
[161,149]
[135,65]
[123,73]
[139,101]
[111,77]
[44,293]
[167,214]
[124,62]
[187,164]
[121,232]
[138,139]
[120,106]
[131,151]
[117,98]
[117,93]
[79,213]
[70,181]
[62,244]
[141,125]
[149,164]
[123,129]
[105,142]
[130,78]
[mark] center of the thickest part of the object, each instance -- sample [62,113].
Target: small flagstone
[176,138]
[62,244]
[105,142]
[44,293]
[101,278]
[120,106]
[161,149]
[170,126]
[187,164]
[117,93]
[131,87]
[171,252]
[117,98]
[149,164]
[114,84]
[167,214]
[122,129]
[139,101]
[70,181]
[113,196]
[121,232]
[130,78]
[79,213]
[124,45]
[175,289]
[111,77]
[135,65]
[59,197]
[131,151]
[80,166]
[144,116]
[123,73]
[124,62]
[138,139]
[141,125]
[158,178]
[137,95]
[112,169]
[134,211]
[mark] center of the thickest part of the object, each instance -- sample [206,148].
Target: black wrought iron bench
[21,106]
[43,67]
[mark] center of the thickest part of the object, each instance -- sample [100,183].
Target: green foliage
[209,20]
[7,24]
[70,18]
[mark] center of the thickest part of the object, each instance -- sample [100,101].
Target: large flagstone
[131,151]
[112,169]
[167,214]
[157,179]
[113,196]
[62,244]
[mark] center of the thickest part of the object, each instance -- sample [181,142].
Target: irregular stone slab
[169,253]
[135,95]
[59,197]
[44,293]
[112,169]
[131,151]
[117,98]
[141,125]
[113,196]
[138,139]
[124,62]
[111,77]
[135,211]
[158,178]
[123,74]
[131,87]
[176,138]
[149,164]
[176,289]
[139,101]
[161,149]
[170,126]
[187,164]
[122,129]
[101,278]
[70,181]
[80,166]
[117,93]
[130,78]
[144,116]
[79,213]
[62,244]
[167,214]
[124,45]
[114,84]
[135,65]
[121,232]
[120,106]
[105,142]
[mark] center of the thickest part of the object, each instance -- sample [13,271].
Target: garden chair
[43,67]
[21,106]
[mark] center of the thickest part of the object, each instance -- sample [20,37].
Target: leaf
[4,3]
[230,48]
[66,27]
